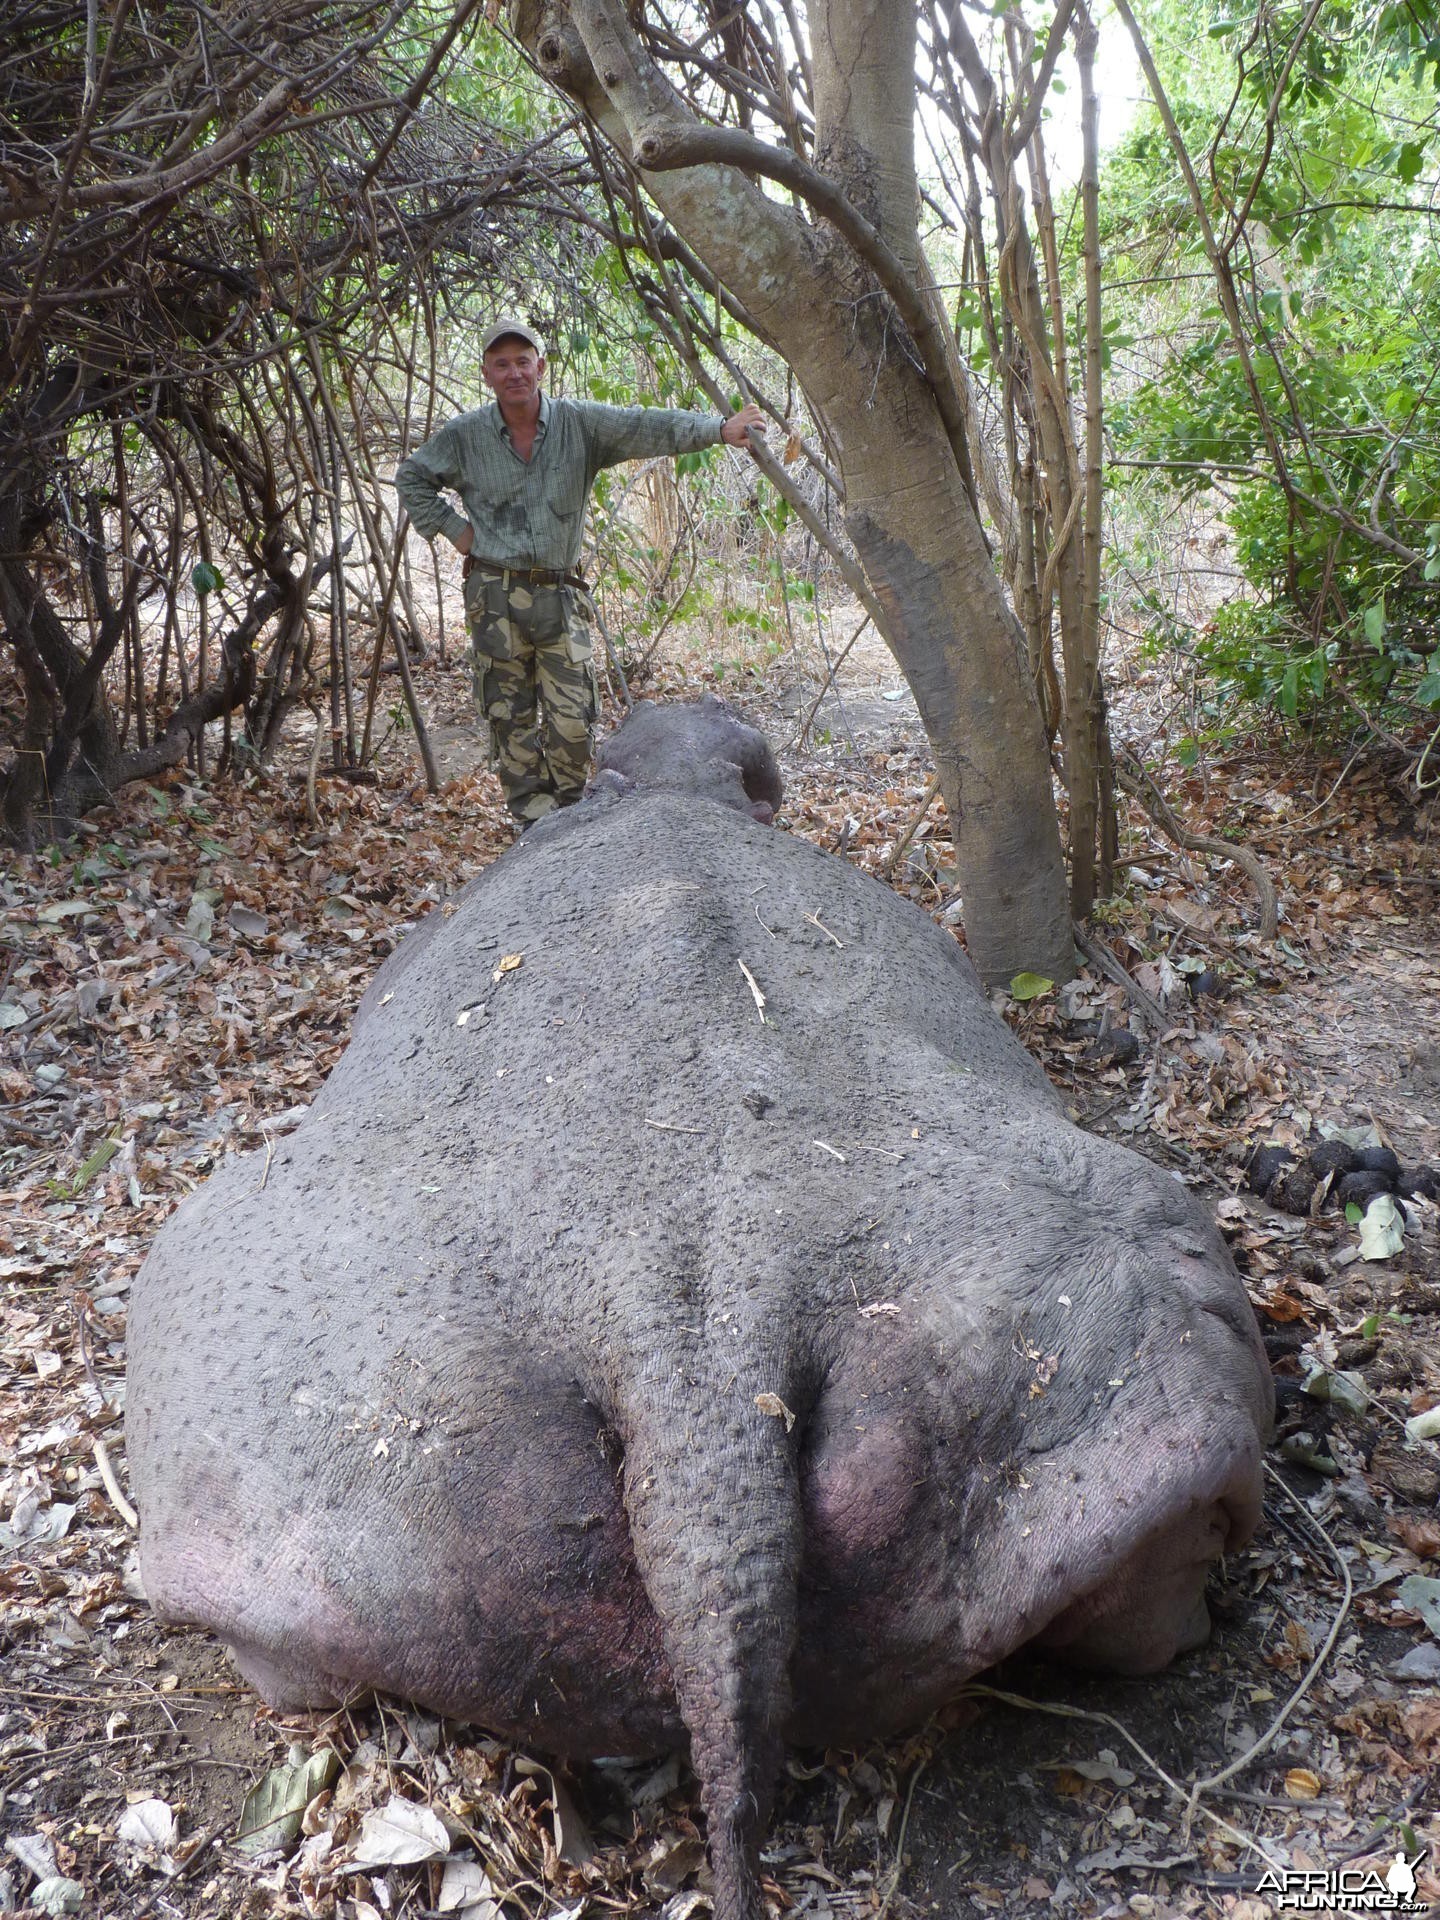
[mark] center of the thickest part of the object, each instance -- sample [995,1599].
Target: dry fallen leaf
[399,1834]
[273,1810]
[1419,1533]
[1106,1769]
[1421,1722]
[466,1887]
[1069,1782]
[1302,1784]
[772,1404]
[508,965]
[149,1823]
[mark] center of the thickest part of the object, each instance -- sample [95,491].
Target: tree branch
[666,149]
[1130,775]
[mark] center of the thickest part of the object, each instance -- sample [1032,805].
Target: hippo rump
[687,1314]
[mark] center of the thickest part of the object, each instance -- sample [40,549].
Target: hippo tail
[712,1496]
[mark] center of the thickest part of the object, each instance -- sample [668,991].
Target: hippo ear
[610,783]
[760,770]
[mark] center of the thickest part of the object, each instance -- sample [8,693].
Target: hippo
[687,1315]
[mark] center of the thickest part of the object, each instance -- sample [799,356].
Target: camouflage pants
[531,661]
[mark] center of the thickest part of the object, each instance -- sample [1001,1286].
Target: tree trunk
[809,295]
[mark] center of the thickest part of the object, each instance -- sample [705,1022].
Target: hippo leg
[1034,1492]
[482,1567]
[1152,1608]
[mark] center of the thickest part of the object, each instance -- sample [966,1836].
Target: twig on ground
[1101,958]
[892,1879]
[1372,870]
[1253,1752]
[888,864]
[1064,1712]
[82,1334]
[1135,781]
[1320,805]
[112,1486]
[817,922]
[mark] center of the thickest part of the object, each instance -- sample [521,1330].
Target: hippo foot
[1151,1610]
[289,1687]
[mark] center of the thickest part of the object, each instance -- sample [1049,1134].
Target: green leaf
[96,1163]
[270,1817]
[1289,694]
[1029,986]
[205,578]
[1410,161]
[55,1894]
[1375,624]
[1428,691]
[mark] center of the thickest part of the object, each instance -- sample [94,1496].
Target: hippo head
[701,747]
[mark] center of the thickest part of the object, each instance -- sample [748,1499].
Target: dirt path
[183,981]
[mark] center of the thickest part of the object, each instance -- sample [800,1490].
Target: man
[523,468]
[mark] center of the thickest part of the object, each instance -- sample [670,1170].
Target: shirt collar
[542,425]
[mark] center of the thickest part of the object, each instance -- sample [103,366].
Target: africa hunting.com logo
[1346,1889]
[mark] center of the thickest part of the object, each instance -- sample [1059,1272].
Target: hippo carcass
[686,1312]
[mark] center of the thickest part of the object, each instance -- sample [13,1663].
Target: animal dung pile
[1334,1174]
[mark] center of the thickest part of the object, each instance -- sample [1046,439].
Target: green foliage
[1330,486]
[1029,986]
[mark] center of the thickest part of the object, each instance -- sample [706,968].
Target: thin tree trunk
[1087,39]
[908,510]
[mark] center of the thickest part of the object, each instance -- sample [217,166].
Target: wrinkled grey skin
[699,747]
[482,1391]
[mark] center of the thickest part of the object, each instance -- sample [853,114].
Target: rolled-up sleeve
[641,433]
[419,480]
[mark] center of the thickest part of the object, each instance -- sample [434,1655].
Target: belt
[524,576]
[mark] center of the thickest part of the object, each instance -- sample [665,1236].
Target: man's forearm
[430,513]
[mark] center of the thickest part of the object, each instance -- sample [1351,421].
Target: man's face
[513,371]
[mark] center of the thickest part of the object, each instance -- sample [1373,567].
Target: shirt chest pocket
[565,490]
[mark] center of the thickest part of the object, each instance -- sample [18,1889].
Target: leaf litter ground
[177,982]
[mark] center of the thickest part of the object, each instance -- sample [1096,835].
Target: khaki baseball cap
[508,324]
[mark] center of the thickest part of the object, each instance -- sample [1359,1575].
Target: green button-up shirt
[531,513]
